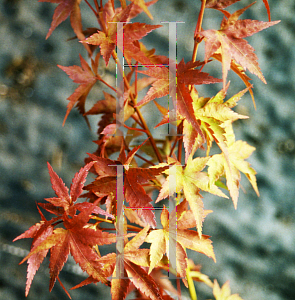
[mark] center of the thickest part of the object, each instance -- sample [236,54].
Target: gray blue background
[254,245]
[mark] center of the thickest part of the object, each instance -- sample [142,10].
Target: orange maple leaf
[134,261]
[75,239]
[134,193]
[229,39]
[61,13]
[86,78]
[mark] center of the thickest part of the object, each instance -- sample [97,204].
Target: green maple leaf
[231,166]
[191,180]
[224,293]
[211,114]
[183,237]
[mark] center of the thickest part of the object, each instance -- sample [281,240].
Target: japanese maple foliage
[78,223]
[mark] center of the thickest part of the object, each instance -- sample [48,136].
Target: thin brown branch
[197,37]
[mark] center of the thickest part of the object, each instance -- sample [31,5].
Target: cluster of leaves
[78,228]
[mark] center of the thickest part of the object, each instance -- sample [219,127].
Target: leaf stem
[153,143]
[180,141]
[134,228]
[100,79]
[197,37]
[178,288]
[96,5]
[102,220]
[101,21]
[130,227]
[96,13]
[191,285]
[135,89]
[136,120]
[145,127]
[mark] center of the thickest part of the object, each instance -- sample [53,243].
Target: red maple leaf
[230,43]
[186,75]
[63,10]
[106,39]
[132,49]
[39,232]
[134,260]
[65,202]
[86,79]
[134,193]
[77,238]
[132,33]
[221,4]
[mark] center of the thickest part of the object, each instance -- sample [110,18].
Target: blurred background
[254,245]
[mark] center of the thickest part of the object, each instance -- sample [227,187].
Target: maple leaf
[143,6]
[107,45]
[184,238]
[160,87]
[238,69]
[224,293]
[211,113]
[75,239]
[191,180]
[136,31]
[86,78]
[219,4]
[134,193]
[65,202]
[61,13]
[150,54]
[62,192]
[64,199]
[186,75]
[108,107]
[137,9]
[232,45]
[238,151]
[191,139]
[132,33]
[185,108]
[185,216]
[107,39]
[39,232]
[132,49]
[134,262]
